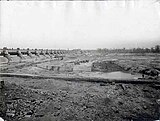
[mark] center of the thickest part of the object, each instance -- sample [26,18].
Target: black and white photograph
[73,60]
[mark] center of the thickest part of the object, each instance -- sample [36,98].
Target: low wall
[105,66]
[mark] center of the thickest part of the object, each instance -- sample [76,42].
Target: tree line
[155,49]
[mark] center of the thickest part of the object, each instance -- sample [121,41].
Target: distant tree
[152,50]
[147,50]
[99,50]
[157,49]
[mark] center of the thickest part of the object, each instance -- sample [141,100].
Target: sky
[80,24]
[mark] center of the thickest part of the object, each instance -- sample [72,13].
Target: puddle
[121,75]
[1,119]
[112,75]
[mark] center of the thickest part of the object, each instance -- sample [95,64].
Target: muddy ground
[30,99]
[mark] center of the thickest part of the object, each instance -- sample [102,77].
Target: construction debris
[78,87]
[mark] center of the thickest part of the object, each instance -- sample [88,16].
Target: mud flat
[63,99]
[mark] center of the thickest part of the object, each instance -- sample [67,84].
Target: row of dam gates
[7,53]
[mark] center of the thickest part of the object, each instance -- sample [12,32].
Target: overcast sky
[76,24]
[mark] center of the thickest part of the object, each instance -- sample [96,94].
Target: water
[111,75]
[121,75]
[1,119]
